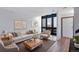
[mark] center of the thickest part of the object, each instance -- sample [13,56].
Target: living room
[19,24]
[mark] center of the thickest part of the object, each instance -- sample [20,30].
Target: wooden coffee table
[32,43]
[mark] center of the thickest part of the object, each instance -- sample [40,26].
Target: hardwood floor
[61,45]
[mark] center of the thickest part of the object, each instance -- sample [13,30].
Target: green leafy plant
[76,39]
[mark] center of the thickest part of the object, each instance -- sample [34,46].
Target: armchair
[45,34]
[9,48]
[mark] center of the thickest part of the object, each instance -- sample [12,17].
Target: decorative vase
[76,45]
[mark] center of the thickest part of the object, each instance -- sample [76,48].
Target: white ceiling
[32,11]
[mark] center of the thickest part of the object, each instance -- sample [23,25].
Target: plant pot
[76,45]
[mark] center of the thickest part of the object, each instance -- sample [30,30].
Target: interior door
[67,27]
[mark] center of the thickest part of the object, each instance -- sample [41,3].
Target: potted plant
[76,41]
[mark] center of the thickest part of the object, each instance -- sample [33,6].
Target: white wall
[63,13]
[30,22]
[76,19]
[38,20]
[7,19]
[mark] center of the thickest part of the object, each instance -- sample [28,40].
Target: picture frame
[20,24]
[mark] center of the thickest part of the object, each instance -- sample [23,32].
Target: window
[49,22]
[55,21]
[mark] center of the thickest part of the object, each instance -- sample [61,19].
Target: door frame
[62,24]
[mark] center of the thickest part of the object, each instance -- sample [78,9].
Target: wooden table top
[32,43]
[61,45]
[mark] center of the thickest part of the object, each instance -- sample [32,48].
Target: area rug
[43,48]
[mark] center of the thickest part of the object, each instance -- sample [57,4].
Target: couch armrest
[12,46]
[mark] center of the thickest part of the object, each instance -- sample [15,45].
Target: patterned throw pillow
[7,39]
